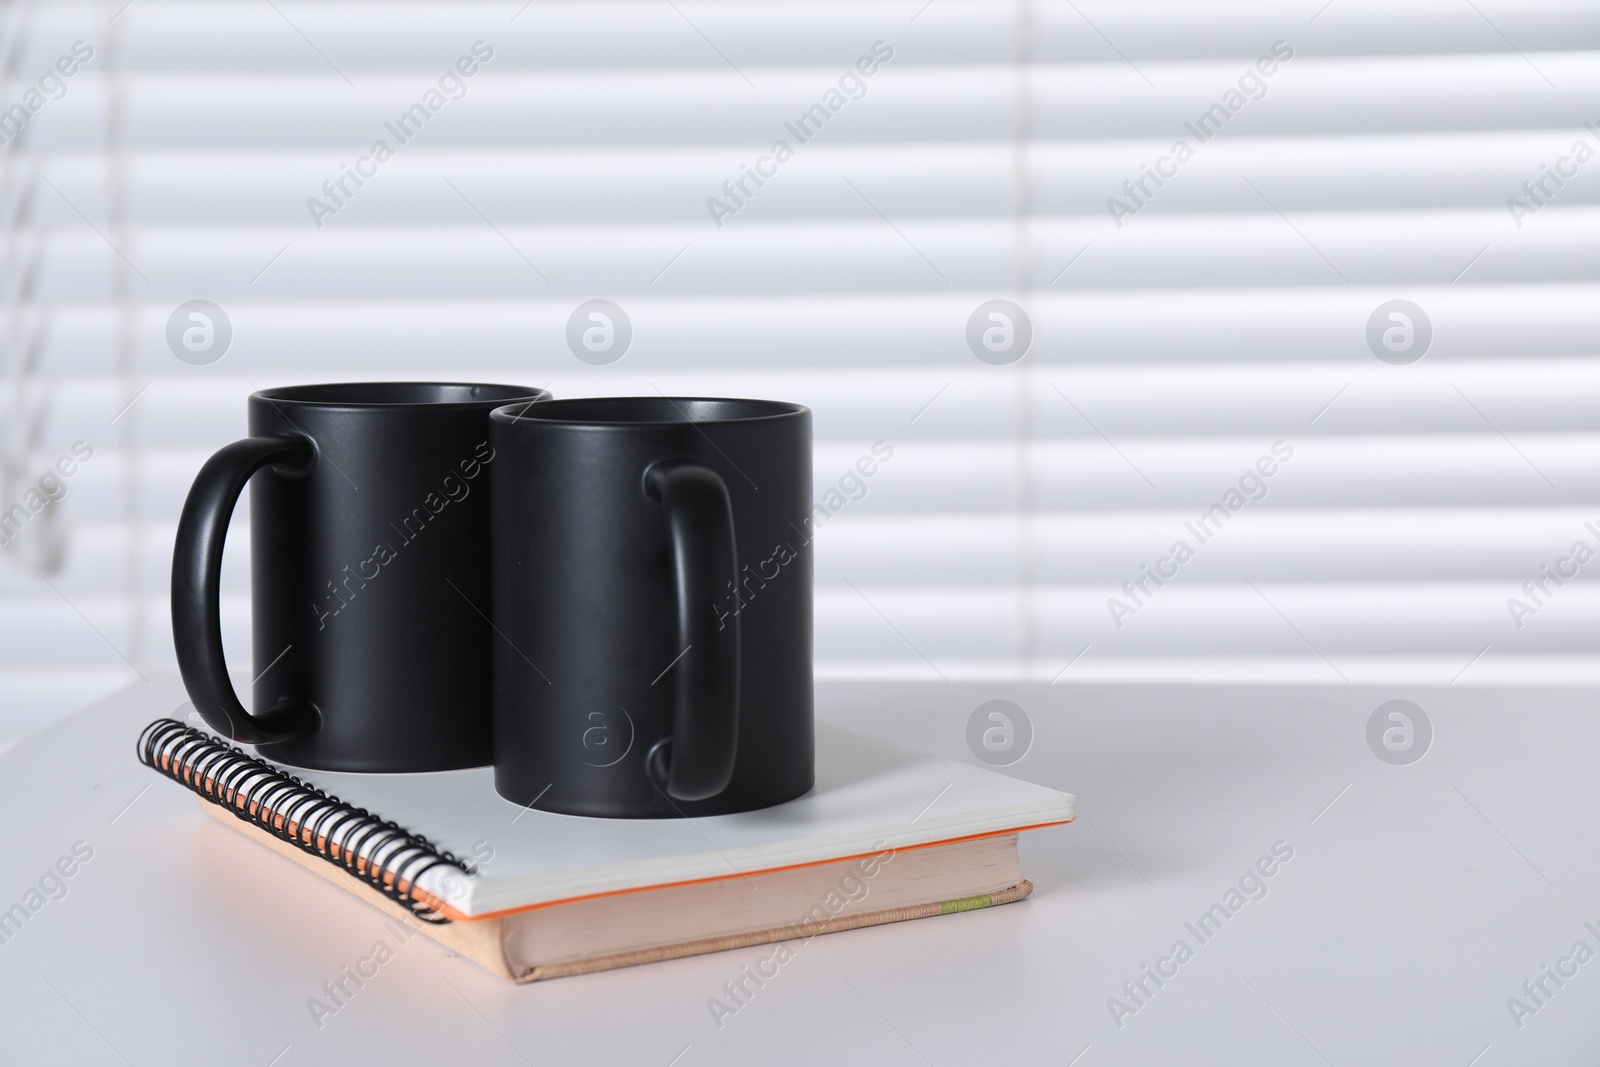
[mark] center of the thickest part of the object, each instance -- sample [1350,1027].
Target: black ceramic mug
[369,543]
[652,593]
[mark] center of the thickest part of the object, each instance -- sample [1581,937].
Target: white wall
[1173,346]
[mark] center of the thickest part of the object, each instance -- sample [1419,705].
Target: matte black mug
[369,531]
[652,593]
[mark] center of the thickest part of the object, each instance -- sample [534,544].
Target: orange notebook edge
[456,916]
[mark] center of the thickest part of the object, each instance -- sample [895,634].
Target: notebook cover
[869,795]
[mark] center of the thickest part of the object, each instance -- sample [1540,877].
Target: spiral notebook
[886,834]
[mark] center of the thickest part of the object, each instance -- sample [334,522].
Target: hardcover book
[887,834]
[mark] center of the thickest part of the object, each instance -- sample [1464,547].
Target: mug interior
[400,394]
[645,410]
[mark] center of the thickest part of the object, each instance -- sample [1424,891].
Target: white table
[1415,905]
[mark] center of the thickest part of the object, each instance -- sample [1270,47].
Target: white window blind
[1184,327]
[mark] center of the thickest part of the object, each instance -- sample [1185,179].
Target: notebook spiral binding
[385,856]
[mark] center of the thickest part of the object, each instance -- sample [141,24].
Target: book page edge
[481,941]
[539,973]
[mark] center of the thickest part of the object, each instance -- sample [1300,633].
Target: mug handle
[196,574]
[696,761]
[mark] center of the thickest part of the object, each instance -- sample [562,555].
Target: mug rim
[317,395]
[562,412]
